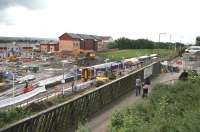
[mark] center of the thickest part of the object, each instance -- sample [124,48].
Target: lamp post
[75,78]
[13,84]
[159,39]
[106,60]
[180,41]
[63,80]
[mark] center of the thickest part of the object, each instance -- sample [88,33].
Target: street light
[75,78]
[161,34]
[63,80]
[106,60]
[159,39]
[13,84]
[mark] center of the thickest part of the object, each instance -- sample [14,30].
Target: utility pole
[13,84]
[63,81]
[76,77]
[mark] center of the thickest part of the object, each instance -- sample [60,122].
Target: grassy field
[120,54]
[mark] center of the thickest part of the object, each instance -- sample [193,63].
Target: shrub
[83,128]
[12,115]
[169,108]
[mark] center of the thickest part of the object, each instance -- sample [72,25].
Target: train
[88,73]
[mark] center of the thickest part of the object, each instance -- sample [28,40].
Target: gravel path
[101,119]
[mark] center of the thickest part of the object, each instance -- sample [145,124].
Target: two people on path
[146,86]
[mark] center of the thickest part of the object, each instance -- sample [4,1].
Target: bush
[169,108]
[12,115]
[83,128]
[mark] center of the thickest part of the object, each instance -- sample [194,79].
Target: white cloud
[129,18]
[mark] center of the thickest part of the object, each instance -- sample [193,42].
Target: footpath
[100,120]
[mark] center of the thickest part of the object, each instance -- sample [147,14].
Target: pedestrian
[72,86]
[146,87]
[26,82]
[184,75]
[138,86]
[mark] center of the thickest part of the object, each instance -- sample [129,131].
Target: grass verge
[169,108]
[120,54]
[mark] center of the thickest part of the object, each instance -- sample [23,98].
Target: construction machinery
[12,58]
[89,54]
[102,76]
[87,74]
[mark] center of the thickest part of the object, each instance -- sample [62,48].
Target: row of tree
[125,43]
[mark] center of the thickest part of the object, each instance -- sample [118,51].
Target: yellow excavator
[103,77]
[89,54]
[12,58]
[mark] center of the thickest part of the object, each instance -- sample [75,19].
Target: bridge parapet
[66,116]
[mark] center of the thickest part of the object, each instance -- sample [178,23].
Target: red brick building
[71,41]
[49,47]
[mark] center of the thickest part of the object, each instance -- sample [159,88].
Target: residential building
[71,41]
[18,49]
[49,47]
[88,42]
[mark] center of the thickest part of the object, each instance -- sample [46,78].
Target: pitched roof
[84,36]
[96,37]
[105,37]
[74,36]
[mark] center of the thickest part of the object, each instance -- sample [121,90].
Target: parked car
[193,49]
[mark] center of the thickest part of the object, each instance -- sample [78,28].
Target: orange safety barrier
[28,89]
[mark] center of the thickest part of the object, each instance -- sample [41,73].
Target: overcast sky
[117,18]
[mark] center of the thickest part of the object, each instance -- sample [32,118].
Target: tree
[125,43]
[198,40]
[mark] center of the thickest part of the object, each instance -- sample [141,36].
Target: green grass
[169,108]
[120,54]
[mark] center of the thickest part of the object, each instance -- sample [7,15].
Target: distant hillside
[24,39]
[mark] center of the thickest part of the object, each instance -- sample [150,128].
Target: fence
[66,116]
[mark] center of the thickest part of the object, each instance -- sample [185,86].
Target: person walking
[146,87]
[72,85]
[184,75]
[138,86]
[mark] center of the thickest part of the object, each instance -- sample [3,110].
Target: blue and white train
[91,72]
